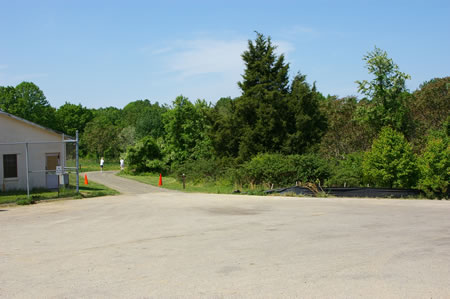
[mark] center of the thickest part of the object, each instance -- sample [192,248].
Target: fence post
[77,162]
[28,173]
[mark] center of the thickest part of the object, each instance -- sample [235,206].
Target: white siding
[15,130]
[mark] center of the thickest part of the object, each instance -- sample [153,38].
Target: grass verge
[87,165]
[173,184]
[91,190]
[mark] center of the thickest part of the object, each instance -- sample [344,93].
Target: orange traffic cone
[85,179]
[160,180]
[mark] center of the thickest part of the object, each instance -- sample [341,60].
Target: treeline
[278,132]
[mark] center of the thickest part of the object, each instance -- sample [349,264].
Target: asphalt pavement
[162,244]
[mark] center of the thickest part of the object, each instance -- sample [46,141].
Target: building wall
[14,130]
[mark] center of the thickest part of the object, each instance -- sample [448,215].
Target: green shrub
[348,172]
[28,201]
[311,168]
[283,170]
[434,166]
[390,162]
[205,170]
[145,156]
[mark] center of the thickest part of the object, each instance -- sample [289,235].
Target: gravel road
[164,244]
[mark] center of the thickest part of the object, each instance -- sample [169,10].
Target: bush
[205,170]
[27,201]
[348,172]
[281,170]
[390,163]
[434,166]
[311,168]
[145,156]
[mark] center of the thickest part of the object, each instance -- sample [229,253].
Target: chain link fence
[39,164]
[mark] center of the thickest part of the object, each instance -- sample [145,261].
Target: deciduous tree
[390,162]
[386,92]
[71,117]
[27,101]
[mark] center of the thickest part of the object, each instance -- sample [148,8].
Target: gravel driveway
[168,244]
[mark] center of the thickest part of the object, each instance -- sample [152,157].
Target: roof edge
[36,125]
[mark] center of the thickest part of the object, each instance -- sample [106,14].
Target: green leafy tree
[73,117]
[145,117]
[127,137]
[110,115]
[27,101]
[345,134]
[386,92]
[434,165]
[101,138]
[306,124]
[145,156]
[259,111]
[430,107]
[390,162]
[187,126]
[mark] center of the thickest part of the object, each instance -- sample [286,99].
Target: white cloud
[198,57]
[161,50]
[283,47]
[203,68]
[300,29]
[204,56]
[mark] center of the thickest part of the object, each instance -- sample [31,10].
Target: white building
[16,134]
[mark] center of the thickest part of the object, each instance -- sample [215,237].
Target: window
[10,166]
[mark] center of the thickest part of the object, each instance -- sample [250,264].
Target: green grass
[87,165]
[173,184]
[91,190]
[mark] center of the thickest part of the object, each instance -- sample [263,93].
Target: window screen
[10,166]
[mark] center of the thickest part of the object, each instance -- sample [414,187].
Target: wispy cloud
[300,30]
[283,47]
[204,68]
[303,29]
[203,56]
[161,51]
[198,57]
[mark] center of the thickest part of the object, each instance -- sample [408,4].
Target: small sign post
[59,170]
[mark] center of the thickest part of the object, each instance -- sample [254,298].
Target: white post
[77,163]
[63,154]
[26,163]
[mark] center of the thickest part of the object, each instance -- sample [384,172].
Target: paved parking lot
[166,244]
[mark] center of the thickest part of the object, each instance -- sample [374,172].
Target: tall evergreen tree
[259,111]
[223,130]
[306,122]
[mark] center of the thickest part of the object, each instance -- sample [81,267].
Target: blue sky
[109,53]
